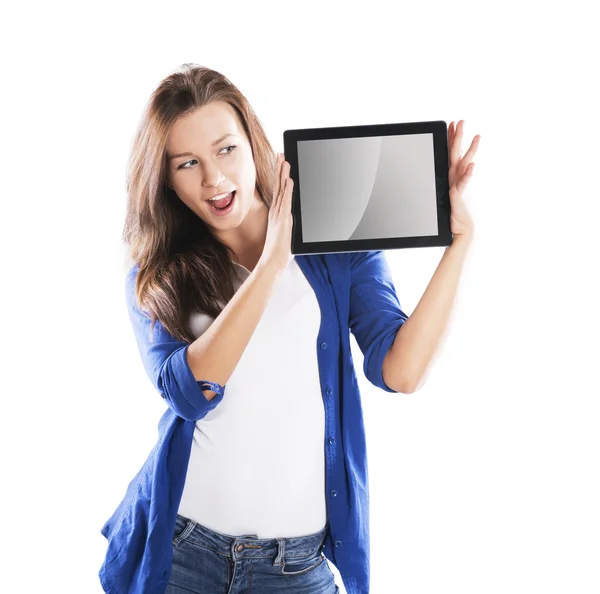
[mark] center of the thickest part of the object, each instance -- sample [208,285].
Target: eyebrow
[171,157]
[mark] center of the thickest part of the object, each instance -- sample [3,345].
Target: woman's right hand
[277,250]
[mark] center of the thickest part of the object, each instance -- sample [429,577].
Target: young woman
[259,473]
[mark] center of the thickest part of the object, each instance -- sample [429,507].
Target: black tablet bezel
[437,128]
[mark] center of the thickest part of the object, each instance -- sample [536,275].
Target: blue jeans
[208,562]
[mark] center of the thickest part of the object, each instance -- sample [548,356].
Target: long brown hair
[183,266]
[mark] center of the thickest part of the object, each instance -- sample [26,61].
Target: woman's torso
[257,461]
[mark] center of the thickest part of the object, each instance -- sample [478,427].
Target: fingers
[283,187]
[471,152]
[289,190]
[287,196]
[462,182]
[455,134]
[277,177]
[284,183]
[285,168]
[278,200]
[455,146]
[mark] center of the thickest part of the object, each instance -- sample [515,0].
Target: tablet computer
[373,187]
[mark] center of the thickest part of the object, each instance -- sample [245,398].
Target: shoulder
[355,258]
[335,262]
[368,263]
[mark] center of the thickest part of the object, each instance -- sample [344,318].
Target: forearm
[215,354]
[419,337]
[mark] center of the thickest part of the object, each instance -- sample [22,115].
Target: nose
[215,176]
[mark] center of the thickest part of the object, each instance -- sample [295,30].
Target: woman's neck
[248,239]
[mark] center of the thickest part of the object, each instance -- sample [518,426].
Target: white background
[485,480]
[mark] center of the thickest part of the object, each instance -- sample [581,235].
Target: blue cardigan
[355,293]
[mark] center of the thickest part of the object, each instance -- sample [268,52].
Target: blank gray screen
[365,188]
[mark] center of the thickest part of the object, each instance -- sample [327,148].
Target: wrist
[462,239]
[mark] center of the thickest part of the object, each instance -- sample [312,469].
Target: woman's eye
[232,147]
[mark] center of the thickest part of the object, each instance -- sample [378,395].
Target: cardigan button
[333,493]
[328,391]
[338,543]
[331,440]
[323,345]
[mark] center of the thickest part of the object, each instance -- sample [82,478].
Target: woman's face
[208,154]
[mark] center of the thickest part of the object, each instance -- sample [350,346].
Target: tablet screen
[367,188]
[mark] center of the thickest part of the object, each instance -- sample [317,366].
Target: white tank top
[257,460]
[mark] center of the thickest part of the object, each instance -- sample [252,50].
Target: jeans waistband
[249,545]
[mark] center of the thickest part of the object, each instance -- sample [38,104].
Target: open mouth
[223,205]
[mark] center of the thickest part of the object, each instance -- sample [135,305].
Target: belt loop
[280,552]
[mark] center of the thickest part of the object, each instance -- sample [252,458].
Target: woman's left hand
[459,174]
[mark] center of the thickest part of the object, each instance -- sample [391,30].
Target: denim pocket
[183,528]
[295,566]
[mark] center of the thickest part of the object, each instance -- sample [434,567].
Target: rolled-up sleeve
[375,312]
[165,361]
